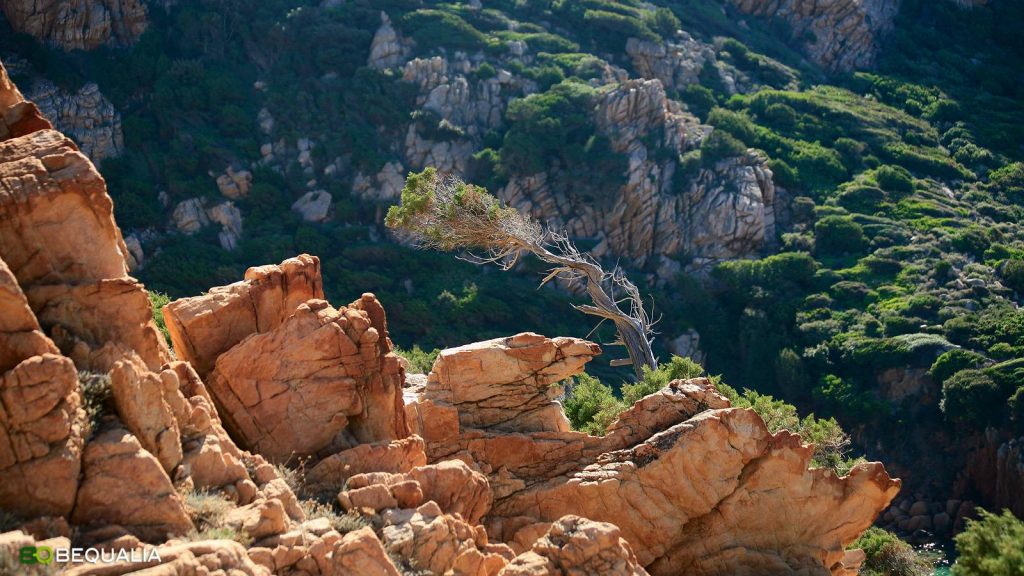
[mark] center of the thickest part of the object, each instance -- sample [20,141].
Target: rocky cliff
[78,24]
[839,35]
[473,472]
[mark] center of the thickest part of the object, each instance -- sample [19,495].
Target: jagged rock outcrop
[839,35]
[41,423]
[995,470]
[318,550]
[318,382]
[677,63]
[575,545]
[78,24]
[85,116]
[292,376]
[397,456]
[234,184]
[192,215]
[17,116]
[694,486]
[440,543]
[82,298]
[659,217]
[204,327]
[123,484]
[386,49]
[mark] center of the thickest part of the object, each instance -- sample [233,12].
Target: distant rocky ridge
[78,24]
[474,473]
[660,217]
[838,35]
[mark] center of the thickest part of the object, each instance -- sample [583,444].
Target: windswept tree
[445,213]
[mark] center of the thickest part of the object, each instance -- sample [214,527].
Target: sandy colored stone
[455,488]
[322,381]
[577,546]
[41,429]
[440,543]
[204,327]
[394,457]
[718,491]
[507,383]
[54,197]
[123,484]
[360,552]
[144,403]
[20,334]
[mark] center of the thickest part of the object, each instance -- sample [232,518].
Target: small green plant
[206,509]
[992,545]
[343,523]
[420,361]
[887,555]
[157,300]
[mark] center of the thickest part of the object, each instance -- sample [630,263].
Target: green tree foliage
[720,145]
[993,545]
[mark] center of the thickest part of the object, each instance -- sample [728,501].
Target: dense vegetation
[891,304]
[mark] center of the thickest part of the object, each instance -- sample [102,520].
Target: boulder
[508,383]
[183,559]
[575,545]
[431,540]
[204,327]
[124,484]
[41,430]
[313,206]
[323,380]
[392,457]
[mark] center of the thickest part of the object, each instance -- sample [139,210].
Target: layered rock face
[86,116]
[695,487]
[78,24]
[840,35]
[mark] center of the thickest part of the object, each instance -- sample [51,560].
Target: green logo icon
[35,555]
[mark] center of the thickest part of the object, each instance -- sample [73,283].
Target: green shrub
[831,443]
[953,361]
[677,368]
[887,555]
[420,361]
[590,405]
[97,399]
[157,300]
[735,123]
[663,22]
[972,396]
[835,235]
[720,145]
[993,545]
[1012,273]
[894,179]
[440,28]
[698,99]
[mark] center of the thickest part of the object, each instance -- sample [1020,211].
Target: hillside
[820,200]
